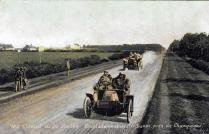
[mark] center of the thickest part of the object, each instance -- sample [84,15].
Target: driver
[105,79]
[121,82]
[104,83]
[131,55]
[137,56]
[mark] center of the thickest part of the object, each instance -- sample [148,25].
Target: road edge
[140,130]
[26,92]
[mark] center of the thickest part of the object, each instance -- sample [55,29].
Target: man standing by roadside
[17,80]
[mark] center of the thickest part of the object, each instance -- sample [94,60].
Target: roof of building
[29,46]
[6,45]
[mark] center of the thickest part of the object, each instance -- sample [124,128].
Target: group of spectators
[20,78]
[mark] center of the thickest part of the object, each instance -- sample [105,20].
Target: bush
[118,56]
[5,76]
[35,69]
[199,64]
[105,60]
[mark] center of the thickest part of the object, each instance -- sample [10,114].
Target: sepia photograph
[104,67]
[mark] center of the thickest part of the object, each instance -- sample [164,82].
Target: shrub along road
[36,84]
[180,103]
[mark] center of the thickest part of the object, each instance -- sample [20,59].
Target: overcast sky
[55,23]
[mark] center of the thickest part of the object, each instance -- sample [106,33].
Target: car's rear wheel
[141,65]
[87,107]
[129,111]
[124,66]
[138,65]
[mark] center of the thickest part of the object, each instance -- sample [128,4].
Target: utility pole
[40,50]
[68,68]
[40,60]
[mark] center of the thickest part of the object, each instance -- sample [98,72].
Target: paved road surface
[59,109]
[181,100]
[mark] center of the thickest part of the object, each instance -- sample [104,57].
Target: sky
[57,23]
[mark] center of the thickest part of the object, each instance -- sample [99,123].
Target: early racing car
[132,63]
[108,103]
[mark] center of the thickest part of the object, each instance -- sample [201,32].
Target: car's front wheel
[87,107]
[129,110]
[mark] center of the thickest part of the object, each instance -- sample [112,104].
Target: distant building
[18,49]
[30,48]
[6,47]
[41,48]
[73,47]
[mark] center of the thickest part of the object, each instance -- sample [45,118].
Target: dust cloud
[149,57]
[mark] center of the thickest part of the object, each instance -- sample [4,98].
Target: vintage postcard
[104,67]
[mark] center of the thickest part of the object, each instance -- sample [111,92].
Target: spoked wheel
[141,65]
[138,65]
[129,110]
[124,67]
[87,107]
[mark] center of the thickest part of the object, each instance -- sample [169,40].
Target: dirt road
[59,110]
[40,83]
[181,100]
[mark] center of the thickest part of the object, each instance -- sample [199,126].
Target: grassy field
[9,59]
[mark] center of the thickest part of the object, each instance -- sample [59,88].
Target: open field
[9,59]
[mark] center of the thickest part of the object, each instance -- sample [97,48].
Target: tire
[124,67]
[138,66]
[141,65]
[129,112]
[87,107]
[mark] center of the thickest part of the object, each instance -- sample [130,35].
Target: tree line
[195,46]
[124,47]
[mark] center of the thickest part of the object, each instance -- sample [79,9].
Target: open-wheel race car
[132,63]
[108,103]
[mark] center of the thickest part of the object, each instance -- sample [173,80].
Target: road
[43,82]
[180,102]
[59,109]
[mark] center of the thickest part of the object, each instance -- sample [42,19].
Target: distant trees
[124,47]
[195,46]
[174,46]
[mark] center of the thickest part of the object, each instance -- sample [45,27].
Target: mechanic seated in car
[121,82]
[137,56]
